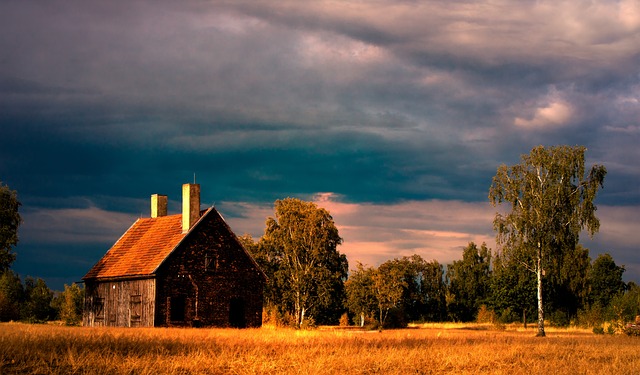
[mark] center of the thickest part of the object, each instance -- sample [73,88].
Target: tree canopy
[299,249]
[10,220]
[551,200]
[469,282]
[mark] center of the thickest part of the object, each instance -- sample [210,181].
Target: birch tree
[550,201]
[302,241]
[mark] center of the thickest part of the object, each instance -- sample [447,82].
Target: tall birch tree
[551,201]
[302,240]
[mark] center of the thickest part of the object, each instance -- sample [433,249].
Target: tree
[469,282]
[37,303]
[10,220]
[359,287]
[409,286]
[388,285]
[71,303]
[568,284]
[300,247]
[605,279]
[551,201]
[11,296]
[512,291]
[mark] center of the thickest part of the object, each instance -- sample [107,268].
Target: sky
[393,115]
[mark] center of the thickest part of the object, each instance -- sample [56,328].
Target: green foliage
[11,296]
[298,252]
[37,305]
[550,202]
[71,302]
[469,282]
[389,285]
[605,279]
[567,283]
[398,291]
[513,292]
[424,296]
[361,297]
[10,220]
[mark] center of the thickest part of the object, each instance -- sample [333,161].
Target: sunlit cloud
[553,115]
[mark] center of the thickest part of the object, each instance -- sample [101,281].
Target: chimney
[190,205]
[158,205]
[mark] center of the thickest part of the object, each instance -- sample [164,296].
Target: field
[438,349]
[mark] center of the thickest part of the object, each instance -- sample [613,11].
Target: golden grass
[438,349]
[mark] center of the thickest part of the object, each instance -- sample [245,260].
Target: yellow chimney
[158,205]
[190,205]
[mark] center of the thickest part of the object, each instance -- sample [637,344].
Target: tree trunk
[540,307]
[298,310]
[524,318]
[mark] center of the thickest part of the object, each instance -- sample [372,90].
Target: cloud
[553,115]
[381,103]
[374,233]
[88,225]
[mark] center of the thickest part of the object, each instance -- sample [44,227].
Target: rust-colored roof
[142,248]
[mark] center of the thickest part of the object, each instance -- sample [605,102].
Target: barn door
[237,313]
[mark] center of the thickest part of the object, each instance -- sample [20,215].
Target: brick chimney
[190,205]
[158,205]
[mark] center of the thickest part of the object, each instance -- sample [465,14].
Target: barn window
[135,310]
[177,306]
[210,263]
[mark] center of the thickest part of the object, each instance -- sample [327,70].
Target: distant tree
[71,302]
[10,220]
[388,285]
[299,247]
[423,295]
[361,297]
[625,307]
[605,279]
[410,287]
[551,202]
[469,282]
[567,283]
[513,292]
[432,293]
[37,303]
[11,296]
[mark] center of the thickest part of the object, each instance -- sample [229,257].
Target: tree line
[549,200]
[31,300]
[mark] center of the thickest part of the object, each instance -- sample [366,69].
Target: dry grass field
[437,349]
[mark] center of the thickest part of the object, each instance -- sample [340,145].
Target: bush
[559,318]
[598,330]
[632,330]
[485,315]
[344,320]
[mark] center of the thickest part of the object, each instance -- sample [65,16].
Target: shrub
[344,320]
[632,330]
[486,315]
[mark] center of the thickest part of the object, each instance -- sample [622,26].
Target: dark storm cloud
[378,103]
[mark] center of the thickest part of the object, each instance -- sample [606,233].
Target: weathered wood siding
[120,303]
[209,280]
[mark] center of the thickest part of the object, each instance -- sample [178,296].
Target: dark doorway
[177,307]
[236,313]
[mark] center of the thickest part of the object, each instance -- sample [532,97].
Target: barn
[185,270]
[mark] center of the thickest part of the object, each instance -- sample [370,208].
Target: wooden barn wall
[210,272]
[124,303]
